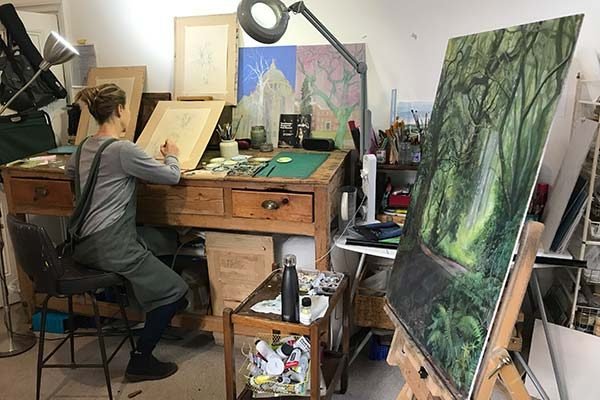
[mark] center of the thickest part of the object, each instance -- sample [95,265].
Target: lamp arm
[33,78]
[300,8]
[359,66]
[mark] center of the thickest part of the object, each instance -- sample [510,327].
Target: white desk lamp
[56,51]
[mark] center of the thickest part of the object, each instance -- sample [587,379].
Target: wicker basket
[369,312]
[275,388]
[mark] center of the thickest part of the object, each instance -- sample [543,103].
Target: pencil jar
[229,149]
[258,136]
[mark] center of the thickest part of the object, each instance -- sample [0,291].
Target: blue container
[377,351]
[55,322]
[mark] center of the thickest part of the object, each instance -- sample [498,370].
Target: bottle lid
[289,260]
[306,302]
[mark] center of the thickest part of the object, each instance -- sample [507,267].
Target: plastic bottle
[306,311]
[274,365]
[290,310]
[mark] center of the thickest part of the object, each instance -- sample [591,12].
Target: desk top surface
[323,175]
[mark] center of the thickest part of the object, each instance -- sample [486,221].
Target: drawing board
[131,80]
[190,124]
[206,54]
[481,158]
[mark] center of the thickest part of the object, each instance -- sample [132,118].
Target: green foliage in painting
[495,102]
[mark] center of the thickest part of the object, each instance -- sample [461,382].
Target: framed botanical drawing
[131,80]
[206,57]
[190,124]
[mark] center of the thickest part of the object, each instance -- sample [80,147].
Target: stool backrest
[36,254]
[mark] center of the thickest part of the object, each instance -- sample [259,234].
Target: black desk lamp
[267,32]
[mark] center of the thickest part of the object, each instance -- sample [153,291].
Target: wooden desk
[307,207]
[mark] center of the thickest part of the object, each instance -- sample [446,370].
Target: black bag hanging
[23,135]
[16,72]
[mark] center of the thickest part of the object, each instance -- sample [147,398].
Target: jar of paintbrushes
[228,146]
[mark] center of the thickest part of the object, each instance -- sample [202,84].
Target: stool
[62,277]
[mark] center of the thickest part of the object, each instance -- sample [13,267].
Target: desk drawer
[41,196]
[277,206]
[162,199]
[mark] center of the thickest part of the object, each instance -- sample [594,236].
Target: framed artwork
[481,158]
[206,56]
[190,124]
[131,80]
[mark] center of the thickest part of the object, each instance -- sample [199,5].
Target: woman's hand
[169,149]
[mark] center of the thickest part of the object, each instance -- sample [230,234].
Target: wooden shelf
[396,167]
[332,366]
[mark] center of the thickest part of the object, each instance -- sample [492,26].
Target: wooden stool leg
[72,330]
[228,339]
[102,346]
[40,363]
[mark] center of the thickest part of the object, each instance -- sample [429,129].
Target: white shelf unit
[587,105]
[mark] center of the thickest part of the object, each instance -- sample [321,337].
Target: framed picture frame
[131,80]
[206,57]
[190,124]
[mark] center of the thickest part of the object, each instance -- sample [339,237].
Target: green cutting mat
[302,165]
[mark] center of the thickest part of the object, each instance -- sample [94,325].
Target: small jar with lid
[306,311]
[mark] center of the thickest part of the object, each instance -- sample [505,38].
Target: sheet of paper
[80,66]
[579,359]
[205,69]
[183,127]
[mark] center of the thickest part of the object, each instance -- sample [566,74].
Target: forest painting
[495,102]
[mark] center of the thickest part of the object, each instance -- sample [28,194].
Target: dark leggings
[157,322]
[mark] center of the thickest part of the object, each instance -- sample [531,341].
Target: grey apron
[117,248]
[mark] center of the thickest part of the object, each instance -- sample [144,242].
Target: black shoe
[147,368]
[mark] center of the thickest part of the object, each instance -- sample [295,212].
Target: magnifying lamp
[56,51]
[266,21]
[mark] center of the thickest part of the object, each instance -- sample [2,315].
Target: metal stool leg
[102,345]
[72,331]
[124,315]
[40,363]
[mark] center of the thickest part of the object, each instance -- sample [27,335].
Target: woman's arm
[138,163]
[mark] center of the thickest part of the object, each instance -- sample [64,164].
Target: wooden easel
[498,370]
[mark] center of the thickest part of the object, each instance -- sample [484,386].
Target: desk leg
[346,338]
[322,231]
[315,363]
[228,339]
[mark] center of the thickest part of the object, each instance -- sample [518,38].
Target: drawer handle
[270,205]
[39,192]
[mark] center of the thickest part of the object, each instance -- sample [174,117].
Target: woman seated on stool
[103,229]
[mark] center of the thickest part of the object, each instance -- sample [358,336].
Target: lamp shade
[57,51]
[253,26]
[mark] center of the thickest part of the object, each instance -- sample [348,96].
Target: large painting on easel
[495,103]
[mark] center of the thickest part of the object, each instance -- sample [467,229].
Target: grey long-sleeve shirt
[122,162]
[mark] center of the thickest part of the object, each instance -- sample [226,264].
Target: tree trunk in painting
[495,102]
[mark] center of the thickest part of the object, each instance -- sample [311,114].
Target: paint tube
[257,365]
[296,377]
[294,359]
[303,344]
[284,380]
[302,367]
[261,380]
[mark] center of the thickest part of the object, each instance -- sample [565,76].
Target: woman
[103,227]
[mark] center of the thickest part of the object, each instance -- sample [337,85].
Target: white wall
[406,40]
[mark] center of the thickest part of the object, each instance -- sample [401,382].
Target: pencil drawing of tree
[333,82]
[496,99]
